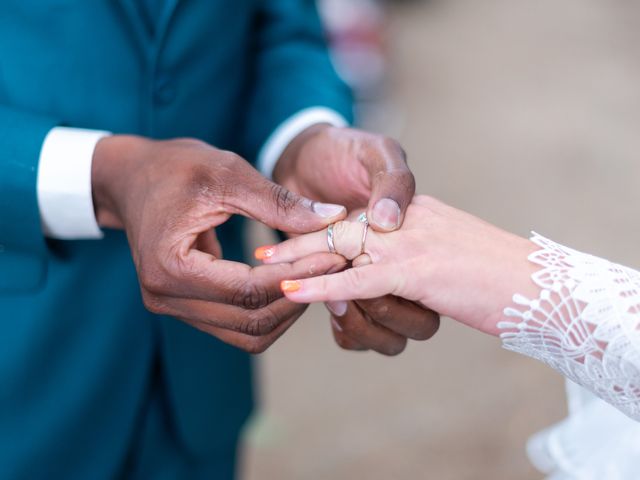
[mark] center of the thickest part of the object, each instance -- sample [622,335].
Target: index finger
[370,281]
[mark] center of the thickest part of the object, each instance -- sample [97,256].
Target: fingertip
[293,291]
[264,253]
[313,217]
[329,211]
[290,286]
[338,309]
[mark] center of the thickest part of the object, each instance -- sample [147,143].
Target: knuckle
[404,181]
[230,158]
[154,304]
[227,159]
[408,181]
[153,278]
[390,143]
[341,229]
[259,323]
[215,176]
[392,147]
[378,308]
[251,296]
[346,242]
[186,142]
[230,161]
[284,200]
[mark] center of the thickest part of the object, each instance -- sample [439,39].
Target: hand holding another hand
[169,196]
[445,259]
[360,170]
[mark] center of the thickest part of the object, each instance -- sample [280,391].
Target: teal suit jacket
[78,352]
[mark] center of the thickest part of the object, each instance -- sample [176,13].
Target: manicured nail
[263,253]
[290,286]
[337,308]
[336,325]
[386,214]
[327,210]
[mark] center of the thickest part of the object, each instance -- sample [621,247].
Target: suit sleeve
[292,70]
[22,245]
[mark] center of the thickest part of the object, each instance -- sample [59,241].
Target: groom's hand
[360,170]
[169,196]
[350,167]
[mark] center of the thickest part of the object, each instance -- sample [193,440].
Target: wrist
[517,278]
[115,160]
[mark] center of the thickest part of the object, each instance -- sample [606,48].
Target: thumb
[392,188]
[279,208]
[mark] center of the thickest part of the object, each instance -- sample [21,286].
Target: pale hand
[360,170]
[445,259]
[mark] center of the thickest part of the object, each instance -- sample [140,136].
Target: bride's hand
[445,259]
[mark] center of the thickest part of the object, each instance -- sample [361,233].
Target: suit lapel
[168,10]
[133,15]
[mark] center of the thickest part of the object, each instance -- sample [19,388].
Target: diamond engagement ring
[362,218]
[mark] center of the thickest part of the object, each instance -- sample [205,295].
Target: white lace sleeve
[585,323]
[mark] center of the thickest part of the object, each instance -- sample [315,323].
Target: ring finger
[347,241]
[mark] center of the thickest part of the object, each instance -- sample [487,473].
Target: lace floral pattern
[585,323]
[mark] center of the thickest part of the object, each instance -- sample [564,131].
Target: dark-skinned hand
[169,196]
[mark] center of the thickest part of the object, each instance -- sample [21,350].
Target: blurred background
[524,113]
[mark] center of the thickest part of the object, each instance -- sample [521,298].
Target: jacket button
[164,91]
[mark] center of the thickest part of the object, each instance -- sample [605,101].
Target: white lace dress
[586,325]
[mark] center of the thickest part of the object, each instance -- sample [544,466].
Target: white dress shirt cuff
[64,184]
[280,139]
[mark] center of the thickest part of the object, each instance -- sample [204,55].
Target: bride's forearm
[511,277]
[572,311]
[584,322]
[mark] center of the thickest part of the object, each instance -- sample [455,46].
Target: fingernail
[386,214]
[336,325]
[337,308]
[327,210]
[290,286]
[263,253]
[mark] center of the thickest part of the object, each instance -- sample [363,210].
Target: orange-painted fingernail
[263,253]
[290,286]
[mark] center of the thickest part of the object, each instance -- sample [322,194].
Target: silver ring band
[362,218]
[332,246]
